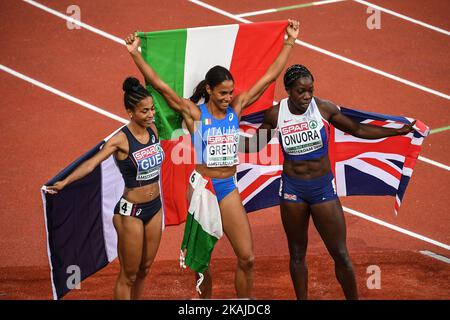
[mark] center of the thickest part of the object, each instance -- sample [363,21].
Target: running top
[216,141]
[143,163]
[304,136]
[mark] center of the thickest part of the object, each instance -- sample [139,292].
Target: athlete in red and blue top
[307,184]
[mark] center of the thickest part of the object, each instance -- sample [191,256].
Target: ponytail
[214,76]
[200,92]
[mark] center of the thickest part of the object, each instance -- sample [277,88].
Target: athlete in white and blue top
[307,184]
[214,127]
[302,136]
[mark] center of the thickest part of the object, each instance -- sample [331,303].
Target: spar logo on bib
[221,146]
[222,150]
[293,128]
[221,139]
[302,137]
[149,162]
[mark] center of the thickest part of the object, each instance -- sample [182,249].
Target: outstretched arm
[263,134]
[174,101]
[245,99]
[87,166]
[361,130]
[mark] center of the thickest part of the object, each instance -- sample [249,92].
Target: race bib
[301,138]
[222,150]
[125,207]
[149,162]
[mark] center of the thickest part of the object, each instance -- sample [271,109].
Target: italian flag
[181,58]
[203,225]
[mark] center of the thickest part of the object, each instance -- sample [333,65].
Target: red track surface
[43,133]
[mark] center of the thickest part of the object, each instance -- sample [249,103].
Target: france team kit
[140,168]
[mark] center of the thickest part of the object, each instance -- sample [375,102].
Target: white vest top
[304,136]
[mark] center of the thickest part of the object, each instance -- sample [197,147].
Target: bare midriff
[307,169]
[216,172]
[142,194]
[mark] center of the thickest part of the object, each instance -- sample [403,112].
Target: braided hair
[216,75]
[295,72]
[134,92]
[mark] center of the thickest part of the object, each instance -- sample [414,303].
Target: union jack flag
[360,166]
[259,173]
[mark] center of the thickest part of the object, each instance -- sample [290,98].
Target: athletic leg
[329,220]
[152,239]
[237,229]
[130,234]
[295,218]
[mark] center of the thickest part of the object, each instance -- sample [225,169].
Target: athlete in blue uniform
[137,216]
[307,185]
[216,145]
[214,127]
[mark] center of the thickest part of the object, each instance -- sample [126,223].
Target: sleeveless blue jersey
[216,140]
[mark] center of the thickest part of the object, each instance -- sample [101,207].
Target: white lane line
[374,70]
[116,39]
[234,17]
[319,3]
[435,256]
[396,228]
[293,7]
[334,55]
[366,3]
[63,94]
[255,13]
[122,120]
[435,163]
[401,16]
[222,12]
[72,20]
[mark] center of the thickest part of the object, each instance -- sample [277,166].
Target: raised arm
[246,98]
[263,134]
[173,100]
[87,166]
[361,130]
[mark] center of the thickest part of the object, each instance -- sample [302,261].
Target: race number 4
[125,207]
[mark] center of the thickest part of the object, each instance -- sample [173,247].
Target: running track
[43,133]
